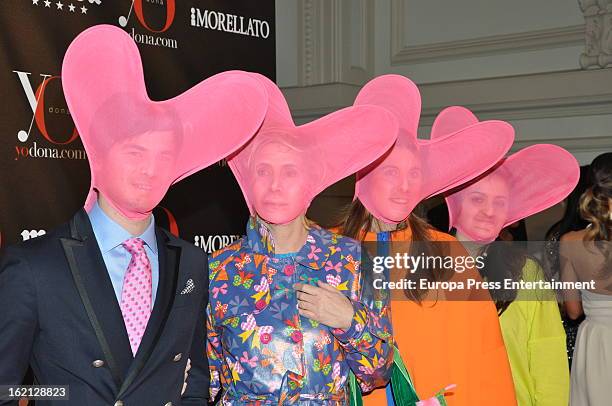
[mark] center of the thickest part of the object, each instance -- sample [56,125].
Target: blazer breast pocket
[187,293]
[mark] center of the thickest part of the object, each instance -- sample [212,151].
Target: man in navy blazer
[60,314]
[108,304]
[86,309]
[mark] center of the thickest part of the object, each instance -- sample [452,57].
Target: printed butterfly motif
[314,250]
[262,334]
[242,261]
[262,296]
[219,289]
[337,379]
[322,364]
[293,325]
[220,310]
[282,290]
[263,285]
[314,323]
[309,280]
[336,282]
[236,369]
[333,280]
[232,321]
[329,266]
[322,340]
[245,359]
[353,265]
[368,367]
[360,317]
[243,278]
[295,381]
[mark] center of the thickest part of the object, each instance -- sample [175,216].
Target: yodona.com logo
[153,8]
[51,117]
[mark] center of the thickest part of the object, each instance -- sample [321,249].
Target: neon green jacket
[535,342]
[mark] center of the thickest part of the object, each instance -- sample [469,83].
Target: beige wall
[517,61]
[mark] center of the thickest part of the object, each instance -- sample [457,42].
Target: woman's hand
[187,368]
[325,304]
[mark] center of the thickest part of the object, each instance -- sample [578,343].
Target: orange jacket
[450,342]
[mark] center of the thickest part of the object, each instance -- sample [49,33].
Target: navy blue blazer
[59,314]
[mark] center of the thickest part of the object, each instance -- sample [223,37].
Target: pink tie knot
[135,246]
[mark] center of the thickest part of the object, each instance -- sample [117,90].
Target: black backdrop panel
[44,170]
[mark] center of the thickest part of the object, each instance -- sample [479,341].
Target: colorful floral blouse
[262,352]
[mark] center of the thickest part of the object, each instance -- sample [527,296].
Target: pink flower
[289,270]
[265,338]
[260,304]
[296,336]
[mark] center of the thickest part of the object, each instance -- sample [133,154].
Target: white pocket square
[189,287]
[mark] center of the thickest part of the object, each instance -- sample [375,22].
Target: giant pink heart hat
[538,176]
[444,163]
[104,86]
[334,146]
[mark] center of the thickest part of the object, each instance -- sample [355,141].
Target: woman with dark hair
[586,255]
[571,221]
[441,341]
[521,185]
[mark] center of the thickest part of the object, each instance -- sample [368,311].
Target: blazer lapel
[169,260]
[97,294]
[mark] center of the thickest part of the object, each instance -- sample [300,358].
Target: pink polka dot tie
[136,293]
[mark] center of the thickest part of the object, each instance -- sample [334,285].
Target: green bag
[404,393]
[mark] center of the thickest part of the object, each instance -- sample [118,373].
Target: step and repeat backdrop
[44,174]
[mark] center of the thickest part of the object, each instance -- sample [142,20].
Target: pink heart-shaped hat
[104,86]
[537,177]
[333,147]
[428,167]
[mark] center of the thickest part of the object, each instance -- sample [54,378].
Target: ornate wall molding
[598,33]
[336,40]
[543,95]
[557,94]
[402,54]
[578,144]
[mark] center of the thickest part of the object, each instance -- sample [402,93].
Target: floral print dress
[262,352]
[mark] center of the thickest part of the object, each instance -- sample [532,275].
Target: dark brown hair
[357,221]
[595,206]
[595,201]
[503,260]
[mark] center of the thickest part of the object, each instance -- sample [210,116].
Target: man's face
[484,208]
[396,180]
[279,186]
[136,173]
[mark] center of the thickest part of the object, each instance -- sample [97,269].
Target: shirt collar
[313,254]
[110,234]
